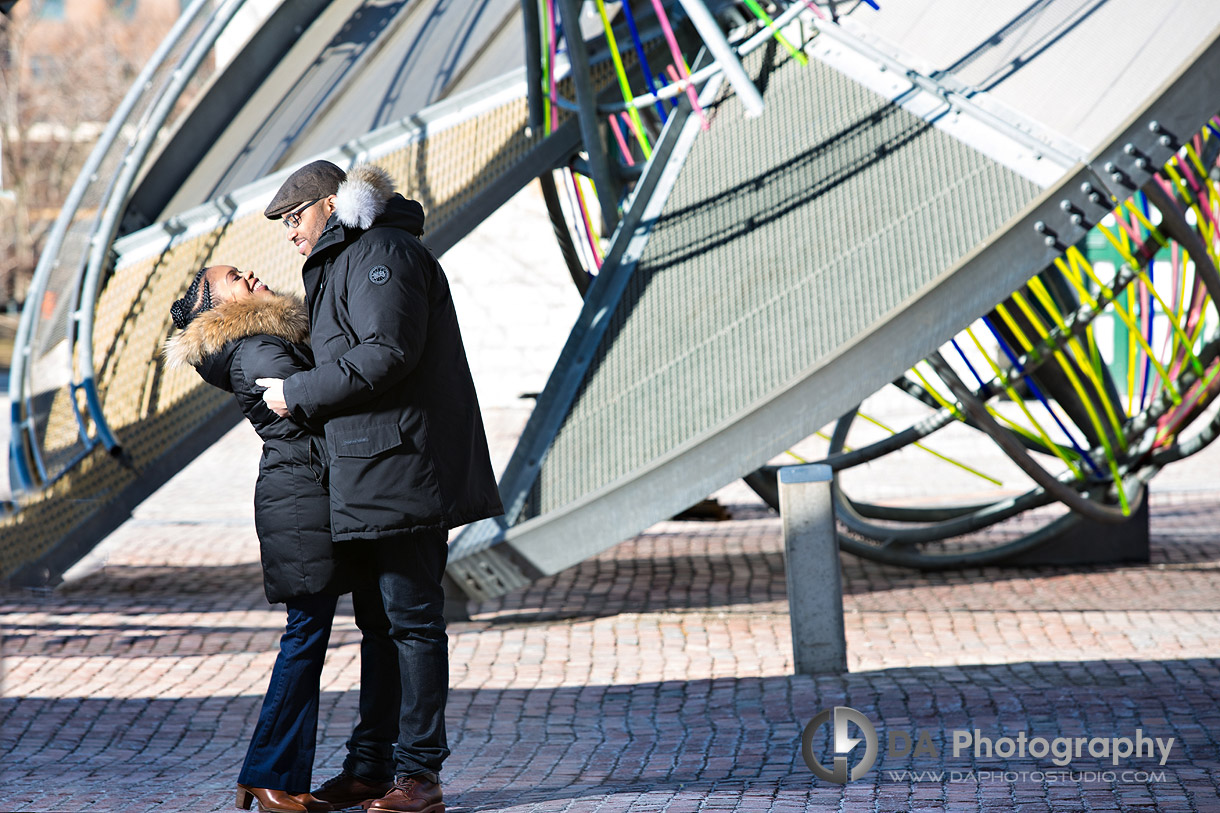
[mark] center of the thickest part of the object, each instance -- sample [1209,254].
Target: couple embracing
[373,448]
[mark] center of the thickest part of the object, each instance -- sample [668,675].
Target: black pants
[404,657]
[281,752]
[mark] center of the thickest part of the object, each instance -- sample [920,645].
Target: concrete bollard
[811,551]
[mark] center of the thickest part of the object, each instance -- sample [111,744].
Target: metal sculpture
[1086,441]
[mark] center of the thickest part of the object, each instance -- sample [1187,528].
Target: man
[408,459]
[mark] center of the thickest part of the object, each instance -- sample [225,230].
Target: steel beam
[586,113]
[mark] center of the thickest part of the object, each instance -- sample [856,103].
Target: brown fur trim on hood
[279,315]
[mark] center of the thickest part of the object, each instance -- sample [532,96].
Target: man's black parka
[404,433]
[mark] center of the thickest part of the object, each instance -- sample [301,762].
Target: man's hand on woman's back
[273,396]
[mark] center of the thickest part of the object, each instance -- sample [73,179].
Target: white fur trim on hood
[362,197]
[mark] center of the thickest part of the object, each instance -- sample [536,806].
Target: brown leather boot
[411,794]
[269,801]
[347,790]
[314,805]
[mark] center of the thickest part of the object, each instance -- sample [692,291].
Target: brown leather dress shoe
[269,801]
[411,794]
[347,790]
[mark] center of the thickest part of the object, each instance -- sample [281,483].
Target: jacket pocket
[333,348]
[363,441]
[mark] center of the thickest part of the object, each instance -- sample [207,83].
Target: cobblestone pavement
[656,677]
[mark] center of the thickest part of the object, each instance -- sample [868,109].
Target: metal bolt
[1117,177]
[1166,141]
[1154,126]
[1109,166]
[1066,205]
[1077,218]
[1086,188]
[1129,148]
[1040,227]
[1142,162]
[1050,241]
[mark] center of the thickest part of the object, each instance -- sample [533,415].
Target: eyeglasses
[293,219]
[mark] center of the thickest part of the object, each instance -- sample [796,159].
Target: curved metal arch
[108,225]
[26,465]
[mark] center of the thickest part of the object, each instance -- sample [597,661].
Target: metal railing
[53,350]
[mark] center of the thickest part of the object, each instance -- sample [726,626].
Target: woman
[234,330]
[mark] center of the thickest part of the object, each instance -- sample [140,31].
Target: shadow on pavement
[726,564]
[732,563]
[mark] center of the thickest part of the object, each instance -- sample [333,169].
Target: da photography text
[970,744]
[1060,750]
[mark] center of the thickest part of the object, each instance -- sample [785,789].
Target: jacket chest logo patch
[379,275]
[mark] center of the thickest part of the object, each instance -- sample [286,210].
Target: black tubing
[563,234]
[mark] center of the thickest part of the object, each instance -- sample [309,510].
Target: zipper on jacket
[318,477]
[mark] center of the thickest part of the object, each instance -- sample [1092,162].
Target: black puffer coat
[406,441]
[232,345]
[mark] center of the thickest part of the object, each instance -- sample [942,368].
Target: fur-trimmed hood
[368,195]
[278,315]
[362,197]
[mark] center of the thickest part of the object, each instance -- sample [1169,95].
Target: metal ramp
[785,267]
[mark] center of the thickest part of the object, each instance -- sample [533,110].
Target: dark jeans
[404,657]
[281,752]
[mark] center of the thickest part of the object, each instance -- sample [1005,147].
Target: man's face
[310,223]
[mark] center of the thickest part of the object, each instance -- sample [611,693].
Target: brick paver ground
[656,677]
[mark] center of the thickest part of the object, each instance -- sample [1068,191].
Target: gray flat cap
[312,181]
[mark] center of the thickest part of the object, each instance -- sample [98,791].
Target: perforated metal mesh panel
[785,238]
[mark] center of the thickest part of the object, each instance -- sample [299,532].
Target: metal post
[586,113]
[811,550]
[724,55]
[533,61]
